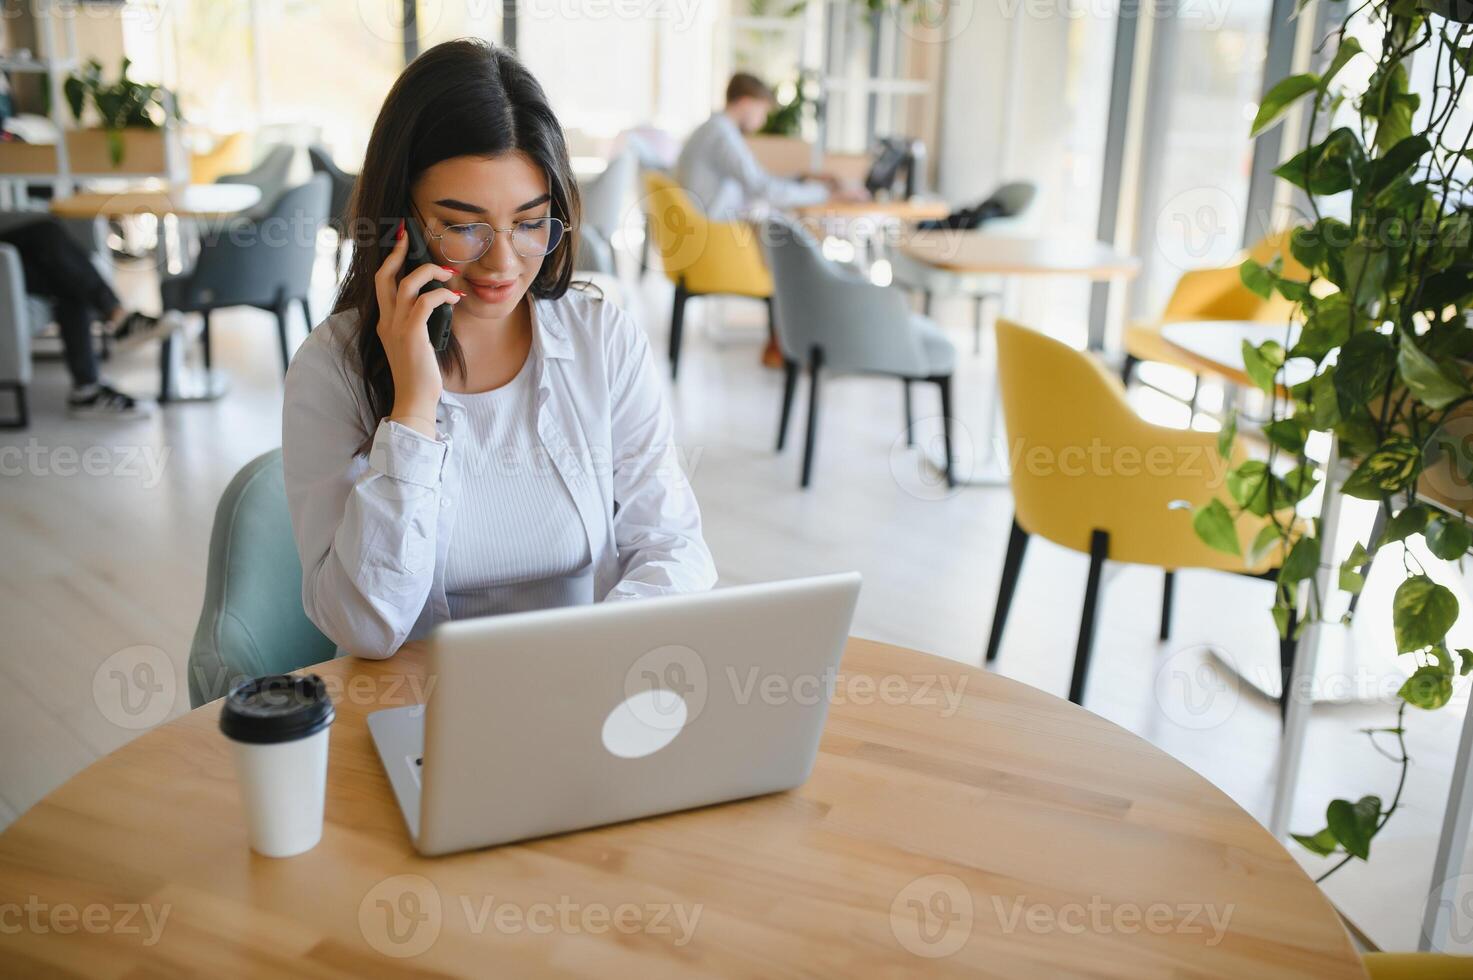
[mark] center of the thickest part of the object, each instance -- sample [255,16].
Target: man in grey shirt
[717,168]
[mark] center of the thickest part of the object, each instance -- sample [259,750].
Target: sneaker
[139,328]
[105,401]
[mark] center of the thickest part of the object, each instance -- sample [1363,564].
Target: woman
[528,465]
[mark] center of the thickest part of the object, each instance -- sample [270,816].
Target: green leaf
[1303,560]
[1287,434]
[1301,481]
[1348,49]
[1263,543]
[1262,363]
[1384,471]
[1430,687]
[1410,520]
[1432,384]
[1328,167]
[1258,278]
[1365,272]
[1281,96]
[1227,434]
[1421,612]
[1465,658]
[1214,525]
[1352,579]
[1365,365]
[1354,824]
[1322,843]
[1449,538]
[1251,486]
[1396,162]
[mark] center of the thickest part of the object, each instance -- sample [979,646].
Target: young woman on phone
[531,463]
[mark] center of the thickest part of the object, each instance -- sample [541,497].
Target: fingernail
[399,232]
[448,268]
[457,292]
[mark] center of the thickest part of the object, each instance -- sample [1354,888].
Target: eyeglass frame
[494,232]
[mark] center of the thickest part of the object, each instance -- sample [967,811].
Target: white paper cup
[279,727]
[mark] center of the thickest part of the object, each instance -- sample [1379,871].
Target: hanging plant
[1382,318]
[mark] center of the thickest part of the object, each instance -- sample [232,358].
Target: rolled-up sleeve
[657,524]
[365,529]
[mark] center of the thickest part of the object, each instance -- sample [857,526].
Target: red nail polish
[399,232]
[457,292]
[449,268]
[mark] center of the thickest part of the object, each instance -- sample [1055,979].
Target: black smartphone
[418,255]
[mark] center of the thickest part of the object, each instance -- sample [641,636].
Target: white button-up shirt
[373,531]
[723,177]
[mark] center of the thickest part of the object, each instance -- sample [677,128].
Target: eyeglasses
[530,239]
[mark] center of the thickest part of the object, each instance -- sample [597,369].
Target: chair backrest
[269,176]
[1082,460]
[252,622]
[1012,199]
[342,184]
[263,260]
[1219,294]
[858,325]
[605,196]
[677,228]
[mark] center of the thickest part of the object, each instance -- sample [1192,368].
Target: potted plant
[1383,319]
[132,116]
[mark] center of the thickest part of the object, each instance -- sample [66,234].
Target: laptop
[557,720]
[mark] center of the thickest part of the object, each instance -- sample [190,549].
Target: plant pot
[144,152]
[27,158]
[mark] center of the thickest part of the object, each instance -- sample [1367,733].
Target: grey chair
[833,321]
[270,176]
[604,200]
[342,193]
[252,622]
[23,316]
[265,263]
[999,212]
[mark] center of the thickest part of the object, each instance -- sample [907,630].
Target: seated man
[717,168]
[59,269]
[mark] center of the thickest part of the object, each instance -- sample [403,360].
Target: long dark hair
[465,97]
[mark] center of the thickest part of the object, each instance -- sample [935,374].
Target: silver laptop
[544,722]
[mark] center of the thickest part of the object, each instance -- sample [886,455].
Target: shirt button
[445,501]
[457,415]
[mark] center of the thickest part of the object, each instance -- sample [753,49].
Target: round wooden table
[1216,347]
[956,821]
[202,201]
[982,253]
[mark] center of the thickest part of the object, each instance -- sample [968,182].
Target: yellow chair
[230,156]
[1418,966]
[1091,475]
[701,257]
[1211,294]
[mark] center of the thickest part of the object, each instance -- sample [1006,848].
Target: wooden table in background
[916,209]
[1000,831]
[980,253]
[196,202]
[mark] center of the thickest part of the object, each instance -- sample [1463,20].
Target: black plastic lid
[276,708]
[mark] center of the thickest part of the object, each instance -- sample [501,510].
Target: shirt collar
[550,338]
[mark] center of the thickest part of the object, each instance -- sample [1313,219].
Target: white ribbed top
[518,542]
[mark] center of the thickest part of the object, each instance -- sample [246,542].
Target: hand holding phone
[419,254]
[407,297]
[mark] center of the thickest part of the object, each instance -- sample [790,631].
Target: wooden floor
[112,559]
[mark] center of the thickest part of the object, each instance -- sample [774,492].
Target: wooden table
[199,202]
[980,264]
[1216,347]
[980,253]
[956,821]
[915,209]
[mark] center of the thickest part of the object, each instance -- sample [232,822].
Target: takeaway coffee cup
[278,726]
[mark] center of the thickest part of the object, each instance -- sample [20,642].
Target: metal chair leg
[1012,565]
[909,415]
[286,355]
[944,383]
[790,388]
[22,417]
[815,362]
[1168,585]
[1099,548]
[677,324]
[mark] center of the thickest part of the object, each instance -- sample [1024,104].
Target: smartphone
[418,255]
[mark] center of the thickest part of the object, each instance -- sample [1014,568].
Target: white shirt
[373,532]
[518,543]
[717,169]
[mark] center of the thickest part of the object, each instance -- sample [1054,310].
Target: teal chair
[252,622]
